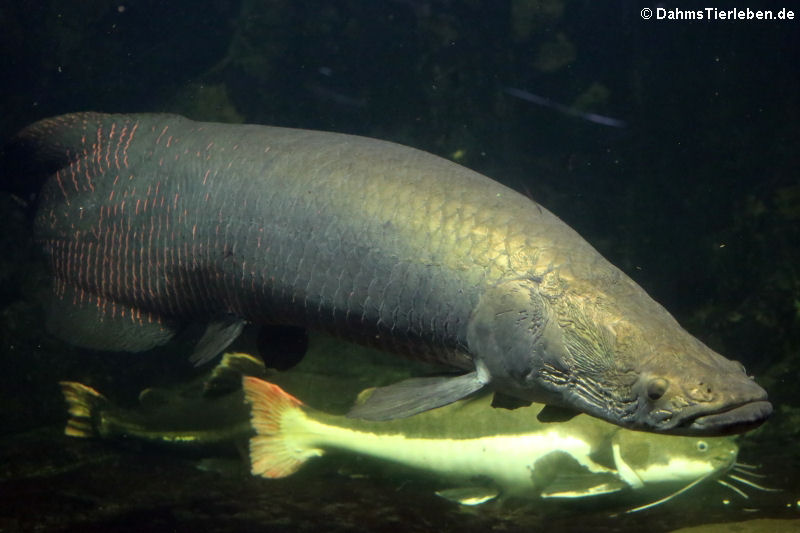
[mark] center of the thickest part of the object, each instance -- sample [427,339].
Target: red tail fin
[271,453]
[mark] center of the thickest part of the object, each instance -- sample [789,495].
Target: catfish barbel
[152,222]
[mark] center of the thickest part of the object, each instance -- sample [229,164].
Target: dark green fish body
[205,416]
[155,221]
[204,426]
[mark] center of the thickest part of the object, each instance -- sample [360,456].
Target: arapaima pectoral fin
[416,395]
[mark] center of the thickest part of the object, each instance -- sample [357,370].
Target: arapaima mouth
[730,421]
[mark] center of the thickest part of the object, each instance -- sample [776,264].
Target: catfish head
[615,354]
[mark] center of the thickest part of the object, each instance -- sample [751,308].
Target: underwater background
[672,146]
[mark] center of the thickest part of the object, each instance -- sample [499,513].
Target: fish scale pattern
[159,219]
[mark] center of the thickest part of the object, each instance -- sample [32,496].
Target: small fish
[207,416]
[470,440]
[546,102]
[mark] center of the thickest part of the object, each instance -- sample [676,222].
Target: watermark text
[715,14]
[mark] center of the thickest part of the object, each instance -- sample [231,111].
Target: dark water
[672,146]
